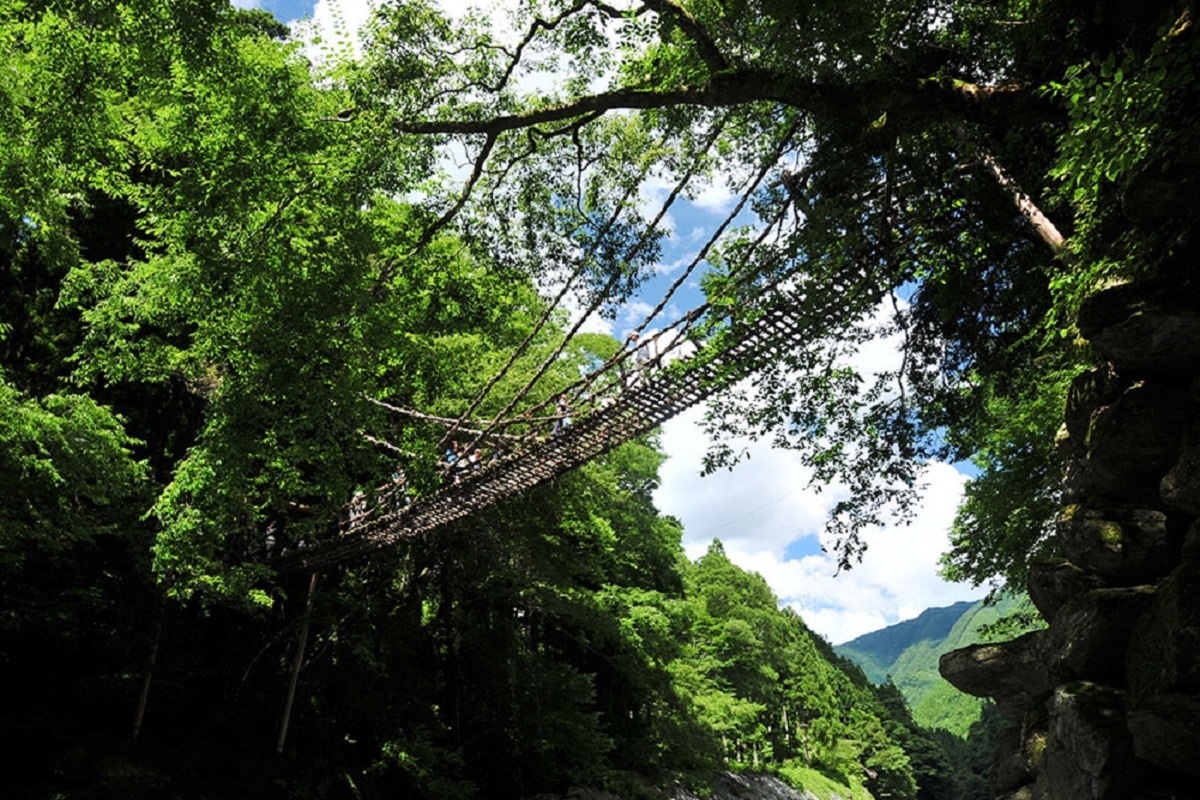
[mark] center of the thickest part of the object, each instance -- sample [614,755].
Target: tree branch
[705,46]
[905,99]
[1045,229]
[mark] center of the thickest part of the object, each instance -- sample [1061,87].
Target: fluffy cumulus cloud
[769,521]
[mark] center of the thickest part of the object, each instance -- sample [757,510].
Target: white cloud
[594,322]
[333,29]
[764,506]
[715,198]
[668,267]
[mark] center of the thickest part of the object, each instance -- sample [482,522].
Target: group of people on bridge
[460,461]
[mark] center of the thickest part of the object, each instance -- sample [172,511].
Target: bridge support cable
[611,222]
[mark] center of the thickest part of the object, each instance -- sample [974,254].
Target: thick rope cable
[447,422]
[714,134]
[702,254]
[582,387]
[642,241]
[482,394]
[620,208]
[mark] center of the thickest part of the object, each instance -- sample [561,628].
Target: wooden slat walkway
[658,395]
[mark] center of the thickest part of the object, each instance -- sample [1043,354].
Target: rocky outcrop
[1012,673]
[735,786]
[1053,583]
[1105,703]
[1118,543]
[1089,637]
[725,786]
[1146,329]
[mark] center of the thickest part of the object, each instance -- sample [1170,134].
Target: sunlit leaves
[66,468]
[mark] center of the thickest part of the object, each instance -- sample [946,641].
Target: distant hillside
[909,652]
[878,651]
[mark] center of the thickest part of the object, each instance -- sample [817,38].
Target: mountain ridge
[908,654]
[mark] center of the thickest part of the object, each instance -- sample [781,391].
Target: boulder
[1089,754]
[1052,583]
[1146,328]
[1164,651]
[1122,544]
[1009,770]
[1010,672]
[1024,793]
[1166,731]
[1134,442]
[1152,196]
[1089,636]
[1191,544]
[589,793]
[1180,487]
[740,786]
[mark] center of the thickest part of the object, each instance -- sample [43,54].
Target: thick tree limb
[902,99]
[1046,230]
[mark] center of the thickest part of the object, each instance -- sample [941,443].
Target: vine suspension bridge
[751,330]
[653,396]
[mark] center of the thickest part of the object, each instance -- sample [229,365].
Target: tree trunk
[145,693]
[1046,230]
[297,662]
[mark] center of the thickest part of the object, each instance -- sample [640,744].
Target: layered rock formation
[1105,703]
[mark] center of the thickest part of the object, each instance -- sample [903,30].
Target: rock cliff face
[1105,703]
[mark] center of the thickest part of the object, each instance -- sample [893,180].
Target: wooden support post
[297,662]
[144,695]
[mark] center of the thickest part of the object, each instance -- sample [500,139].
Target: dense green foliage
[208,279]
[215,257]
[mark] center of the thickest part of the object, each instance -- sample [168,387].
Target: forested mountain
[907,654]
[878,651]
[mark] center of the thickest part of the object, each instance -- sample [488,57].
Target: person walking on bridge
[563,409]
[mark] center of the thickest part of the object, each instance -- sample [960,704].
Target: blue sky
[284,10]
[767,517]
